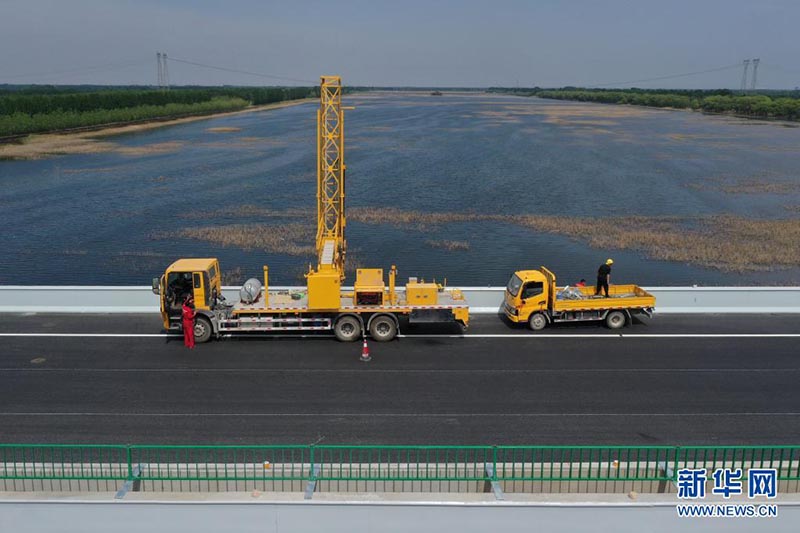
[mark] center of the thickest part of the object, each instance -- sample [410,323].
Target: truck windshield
[513,285]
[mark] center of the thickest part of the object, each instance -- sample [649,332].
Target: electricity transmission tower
[166,70]
[160,72]
[163,71]
[746,64]
[755,75]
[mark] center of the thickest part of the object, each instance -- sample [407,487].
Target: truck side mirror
[156,286]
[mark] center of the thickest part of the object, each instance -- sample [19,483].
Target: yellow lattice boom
[331,244]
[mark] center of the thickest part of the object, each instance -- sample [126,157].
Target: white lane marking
[443,336]
[602,335]
[431,415]
[400,371]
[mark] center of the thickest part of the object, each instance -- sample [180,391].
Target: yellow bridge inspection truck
[532,297]
[371,306]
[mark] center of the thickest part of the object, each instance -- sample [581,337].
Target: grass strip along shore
[784,105]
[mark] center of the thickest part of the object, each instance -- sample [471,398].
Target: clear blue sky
[408,42]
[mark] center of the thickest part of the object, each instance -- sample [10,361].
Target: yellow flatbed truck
[532,297]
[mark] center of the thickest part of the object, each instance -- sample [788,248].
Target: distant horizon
[411,87]
[416,43]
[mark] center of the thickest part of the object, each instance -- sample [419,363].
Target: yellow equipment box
[324,290]
[422,293]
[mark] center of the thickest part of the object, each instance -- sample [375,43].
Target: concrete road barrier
[482,300]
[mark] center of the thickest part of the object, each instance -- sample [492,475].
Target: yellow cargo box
[422,293]
[324,290]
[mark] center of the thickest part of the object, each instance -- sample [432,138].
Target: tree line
[30,111]
[114,99]
[22,123]
[774,104]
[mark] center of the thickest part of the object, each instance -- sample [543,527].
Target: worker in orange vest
[188,322]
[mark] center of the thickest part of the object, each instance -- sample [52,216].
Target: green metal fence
[334,463]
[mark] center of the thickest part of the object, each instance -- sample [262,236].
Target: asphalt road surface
[667,380]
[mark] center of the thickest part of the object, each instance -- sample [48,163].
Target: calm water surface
[106,218]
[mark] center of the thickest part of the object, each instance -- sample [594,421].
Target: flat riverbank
[40,146]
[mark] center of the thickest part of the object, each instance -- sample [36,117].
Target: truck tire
[347,328]
[382,328]
[202,329]
[615,320]
[537,321]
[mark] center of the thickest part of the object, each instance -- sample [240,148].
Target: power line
[250,73]
[779,67]
[684,75]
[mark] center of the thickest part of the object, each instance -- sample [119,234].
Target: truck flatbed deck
[282,301]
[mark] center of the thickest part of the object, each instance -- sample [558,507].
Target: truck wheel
[347,329]
[382,328]
[537,321]
[202,329]
[615,319]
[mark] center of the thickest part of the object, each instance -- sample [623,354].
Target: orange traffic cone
[365,358]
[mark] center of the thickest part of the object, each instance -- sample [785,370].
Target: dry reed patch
[594,111]
[151,149]
[249,143]
[450,246]
[98,170]
[690,137]
[223,129]
[410,219]
[260,140]
[593,131]
[579,122]
[763,184]
[142,253]
[499,117]
[457,129]
[727,243]
[42,146]
[249,210]
[288,239]
[760,187]
[716,141]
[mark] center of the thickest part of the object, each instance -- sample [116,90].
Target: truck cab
[198,278]
[528,291]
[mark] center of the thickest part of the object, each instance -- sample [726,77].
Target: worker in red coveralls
[188,322]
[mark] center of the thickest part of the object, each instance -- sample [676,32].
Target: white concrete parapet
[486,300]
